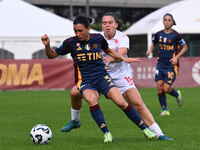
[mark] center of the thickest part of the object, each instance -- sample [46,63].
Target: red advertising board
[39,74]
[188,76]
[36,74]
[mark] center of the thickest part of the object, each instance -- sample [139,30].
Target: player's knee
[75,93]
[167,90]
[92,100]
[139,106]
[160,90]
[122,104]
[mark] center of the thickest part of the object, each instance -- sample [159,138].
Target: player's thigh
[115,95]
[167,88]
[132,96]
[91,96]
[105,84]
[160,84]
[124,83]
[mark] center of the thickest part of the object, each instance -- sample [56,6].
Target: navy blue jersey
[89,65]
[168,47]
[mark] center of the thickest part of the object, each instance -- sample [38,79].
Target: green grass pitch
[21,110]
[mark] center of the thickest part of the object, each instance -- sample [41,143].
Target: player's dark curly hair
[117,20]
[174,22]
[86,21]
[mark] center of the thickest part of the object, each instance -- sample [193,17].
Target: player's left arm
[121,51]
[119,57]
[174,60]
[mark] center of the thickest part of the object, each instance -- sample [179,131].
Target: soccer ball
[41,134]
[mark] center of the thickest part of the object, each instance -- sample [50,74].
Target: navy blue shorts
[101,85]
[167,75]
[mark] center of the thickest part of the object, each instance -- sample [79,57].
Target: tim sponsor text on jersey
[89,56]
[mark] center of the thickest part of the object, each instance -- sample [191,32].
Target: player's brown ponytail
[86,21]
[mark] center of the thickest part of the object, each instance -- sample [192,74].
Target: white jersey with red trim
[119,69]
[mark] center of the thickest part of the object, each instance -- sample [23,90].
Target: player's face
[168,22]
[109,25]
[82,33]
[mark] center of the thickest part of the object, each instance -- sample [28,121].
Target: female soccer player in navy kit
[120,72]
[92,77]
[167,66]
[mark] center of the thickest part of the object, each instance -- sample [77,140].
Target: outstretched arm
[121,51]
[51,53]
[119,57]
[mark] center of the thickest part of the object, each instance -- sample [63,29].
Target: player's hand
[148,52]
[174,61]
[131,59]
[45,40]
[106,60]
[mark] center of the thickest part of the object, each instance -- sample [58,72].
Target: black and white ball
[41,134]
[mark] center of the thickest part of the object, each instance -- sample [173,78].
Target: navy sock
[98,116]
[133,115]
[162,100]
[174,93]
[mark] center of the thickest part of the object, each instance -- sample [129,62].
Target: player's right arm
[154,42]
[150,49]
[51,53]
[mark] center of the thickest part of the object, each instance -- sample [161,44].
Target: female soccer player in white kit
[121,74]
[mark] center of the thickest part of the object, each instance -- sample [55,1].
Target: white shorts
[123,84]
